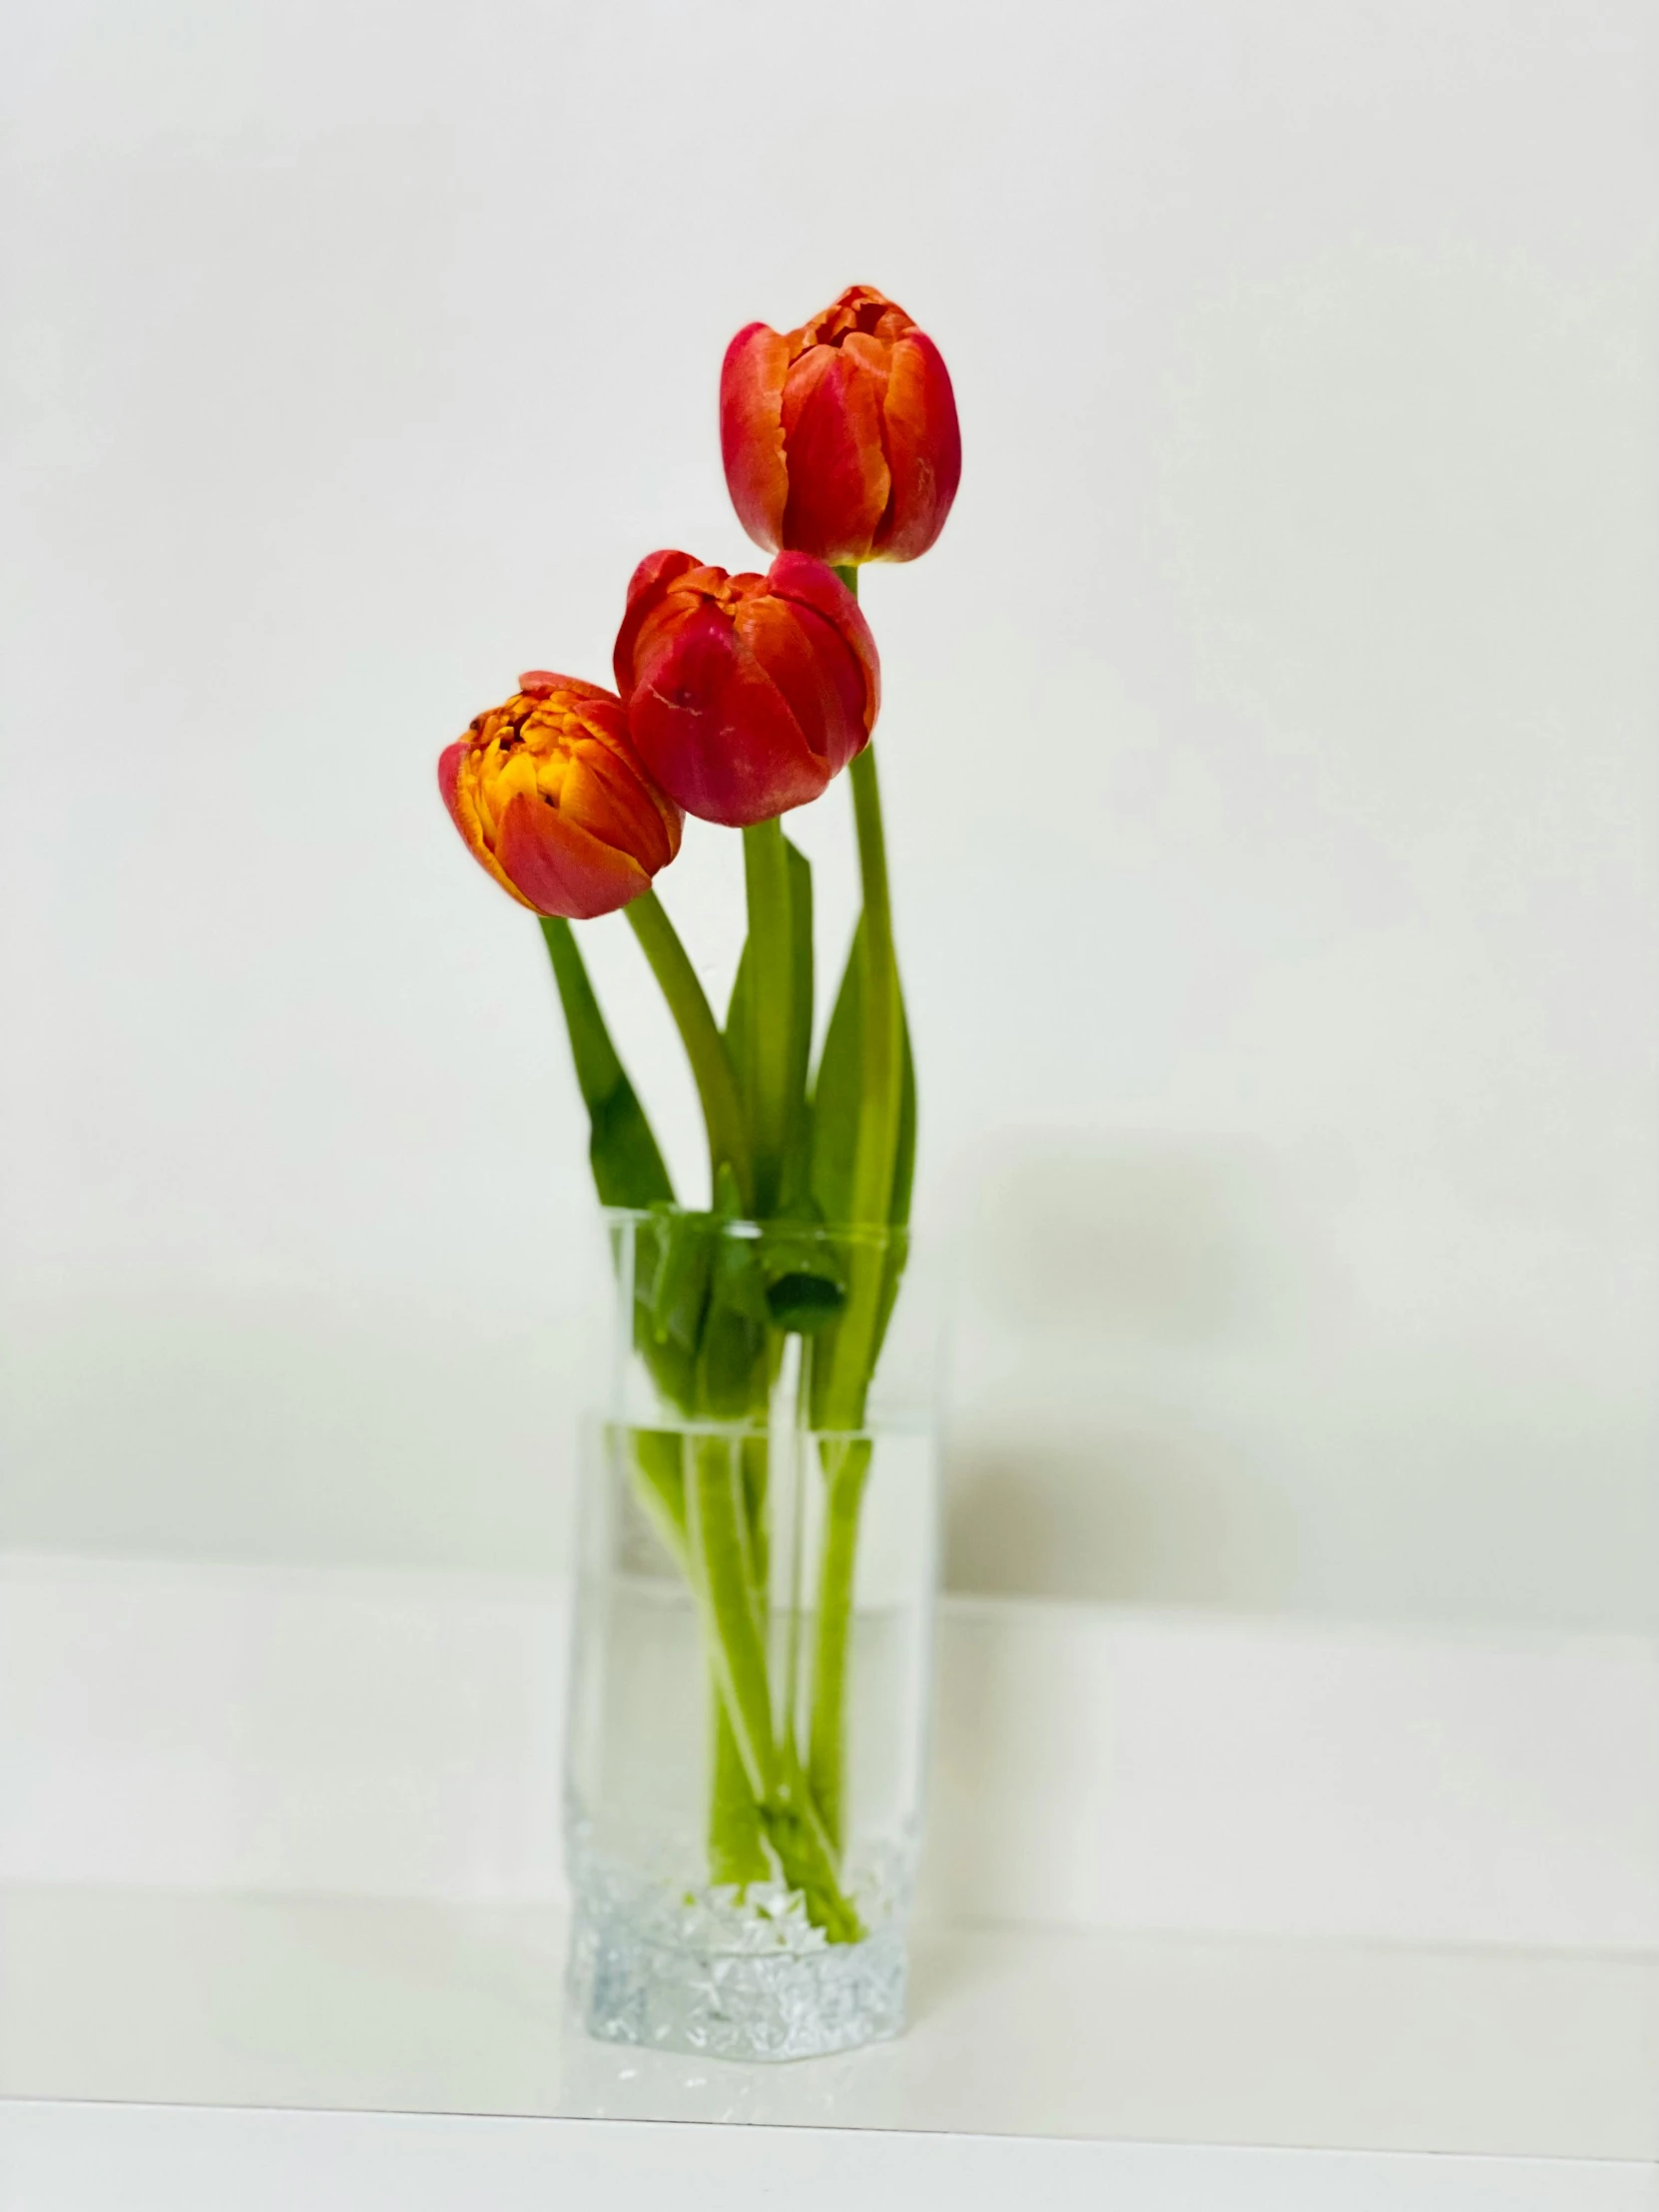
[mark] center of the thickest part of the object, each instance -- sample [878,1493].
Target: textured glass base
[781,1992]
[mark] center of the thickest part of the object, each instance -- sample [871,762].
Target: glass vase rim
[750,1229]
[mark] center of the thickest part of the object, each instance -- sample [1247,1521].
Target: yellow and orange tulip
[550,797]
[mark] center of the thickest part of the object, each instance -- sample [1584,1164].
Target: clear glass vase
[753,1642]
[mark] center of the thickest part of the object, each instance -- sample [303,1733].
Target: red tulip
[745,694]
[841,439]
[551,798]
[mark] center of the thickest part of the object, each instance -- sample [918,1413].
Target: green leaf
[671,1294]
[801,1018]
[735,1369]
[740,1030]
[750,1035]
[904,1166]
[904,1170]
[628,1168]
[837,1100]
[701,1319]
[834,1135]
[805,1277]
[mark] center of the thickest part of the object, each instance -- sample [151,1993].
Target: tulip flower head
[840,438]
[745,694]
[551,798]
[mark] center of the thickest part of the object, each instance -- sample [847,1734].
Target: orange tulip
[841,439]
[745,694]
[550,797]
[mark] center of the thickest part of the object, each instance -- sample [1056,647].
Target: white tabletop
[420,2007]
[68,2158]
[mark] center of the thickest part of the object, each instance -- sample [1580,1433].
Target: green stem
[737,1850]
[875,1150]
[853,1354]
[756,1480]
[717,1530]
[881,1101]
[877,1146]
[655,1460]
[847,1465]
[884,1074]
[807,1858]
[721,1576]
[737,1846]
[711,1064]
[766,867]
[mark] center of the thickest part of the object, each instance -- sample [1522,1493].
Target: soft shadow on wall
[1114,1300]
[1224,1373]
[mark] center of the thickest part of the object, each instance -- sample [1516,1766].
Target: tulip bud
[841,439]
[549,795]
[745,694]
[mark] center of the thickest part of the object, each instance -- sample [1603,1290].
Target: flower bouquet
[749,1698]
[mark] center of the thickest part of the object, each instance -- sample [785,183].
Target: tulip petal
[607,793]
[807,372]
[457,784]
[449,773]
[925,450]
[647,823]
[541,683]
[839,477]
[797,576]
[815,670]
[660,569]
[552,802]
[558,867]
[858,307]
[653,577]
[714,730]
[590,801]
[751,431]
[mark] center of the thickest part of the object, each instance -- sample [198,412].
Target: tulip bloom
[841,439]
[550,797]
[745,694]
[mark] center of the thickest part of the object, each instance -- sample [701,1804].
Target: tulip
[841,439]
[551,798]
[745,694]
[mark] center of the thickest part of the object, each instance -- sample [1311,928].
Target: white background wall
[1268,748]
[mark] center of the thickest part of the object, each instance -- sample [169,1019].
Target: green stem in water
[766,867]
[722,1574]
[846,1468]
[655,1461]
[718,1535]
[806,1857]
[711,1064]
[736,1850]
[757,1479]
[736,1838]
